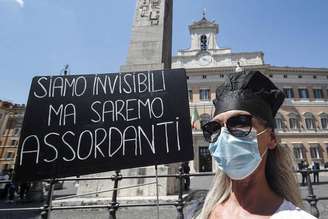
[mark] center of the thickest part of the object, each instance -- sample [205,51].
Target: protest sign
[82,124]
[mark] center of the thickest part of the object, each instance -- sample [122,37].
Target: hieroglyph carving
[150,9]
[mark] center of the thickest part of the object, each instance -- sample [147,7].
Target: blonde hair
[279,174]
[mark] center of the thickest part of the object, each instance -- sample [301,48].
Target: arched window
[203,42]
[324,120]
[315,151]
[309,121]
[299,152]
[294,121]
[279,124]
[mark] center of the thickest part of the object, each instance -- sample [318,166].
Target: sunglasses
[238,126]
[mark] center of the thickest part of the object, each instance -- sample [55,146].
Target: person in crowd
[186,169]
[23,190]
[316,169]
[303,167]
[4,187]
[11,187]
[255,177]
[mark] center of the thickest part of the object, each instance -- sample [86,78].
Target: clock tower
[204,50]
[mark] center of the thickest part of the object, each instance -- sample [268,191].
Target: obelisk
[150,49]
[151,38]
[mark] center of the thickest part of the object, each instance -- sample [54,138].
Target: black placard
[82,124]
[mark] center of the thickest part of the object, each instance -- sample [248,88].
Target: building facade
[302,121]
[11,120]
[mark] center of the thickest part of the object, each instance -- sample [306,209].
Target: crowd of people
[304,167]
[9,189]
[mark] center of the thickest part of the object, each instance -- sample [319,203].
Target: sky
[38,37]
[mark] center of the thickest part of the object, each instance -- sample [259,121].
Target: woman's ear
[273,140]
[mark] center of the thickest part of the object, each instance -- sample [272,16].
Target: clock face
[205,60]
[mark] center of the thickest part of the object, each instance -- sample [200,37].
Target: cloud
[20,2]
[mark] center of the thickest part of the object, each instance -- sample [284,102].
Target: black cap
[250,91]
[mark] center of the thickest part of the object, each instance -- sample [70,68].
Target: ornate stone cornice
[206,70]
[204,23]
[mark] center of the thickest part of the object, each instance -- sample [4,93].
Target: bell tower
[203,34]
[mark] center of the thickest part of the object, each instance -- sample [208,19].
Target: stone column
[150,49]
[151,38]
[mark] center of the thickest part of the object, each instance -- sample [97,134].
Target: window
[315,151]
[294,123]
[187,77]
[204,76]
[317,93]
[324,123]
[298,150]
[270,75]
[19,120]
[285,76]
[6,167]
[298,153]
[203,42]
[314,77]
[324,120]
[16,131]
[11,123]
[300,76]
[0,115]
[205,159]
[13,142]
[9,155]
[221,75]
[190,95]
[303,93]
[309,121]
[289,92]
[204,94]
[278,123]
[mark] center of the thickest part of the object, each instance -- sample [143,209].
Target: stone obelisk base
[133,187]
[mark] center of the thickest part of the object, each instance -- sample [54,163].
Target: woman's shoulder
[288,210]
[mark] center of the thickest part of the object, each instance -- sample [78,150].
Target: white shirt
[288,210]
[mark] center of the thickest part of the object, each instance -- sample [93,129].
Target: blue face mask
[238,157]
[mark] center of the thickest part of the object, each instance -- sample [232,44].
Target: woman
[255,177]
